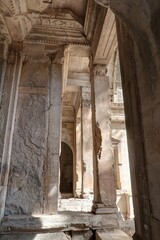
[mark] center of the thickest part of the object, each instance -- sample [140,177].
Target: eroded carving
[100,70]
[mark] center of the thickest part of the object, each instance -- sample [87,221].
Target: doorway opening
[66,171]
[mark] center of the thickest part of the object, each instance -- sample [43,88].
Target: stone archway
[138,40]
[66,171]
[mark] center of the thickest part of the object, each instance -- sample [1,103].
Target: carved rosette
[100,70]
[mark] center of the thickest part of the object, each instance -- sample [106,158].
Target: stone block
[30,236]
[112,235]
[82,235]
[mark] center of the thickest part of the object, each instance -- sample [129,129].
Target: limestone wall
[26,179]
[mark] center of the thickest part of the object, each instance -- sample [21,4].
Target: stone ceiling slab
[107,41]
[41,21]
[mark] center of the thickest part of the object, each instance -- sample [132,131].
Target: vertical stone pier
[14,67]
[104,179]
[3,65]
[78,184]
[54,134]
[87,143]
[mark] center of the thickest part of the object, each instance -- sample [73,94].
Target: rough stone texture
[62,222]
[29,236]
[87,235]
[5,103]
[29,146]
[104,172]
[139,55]
[75,205]
[110,235]
[34,73]
[34,168]
[28,153]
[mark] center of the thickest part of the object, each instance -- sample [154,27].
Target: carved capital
[15,49]
[100,70]
[57,57]
[104,3]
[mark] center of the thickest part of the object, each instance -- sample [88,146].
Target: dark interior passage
[66,169]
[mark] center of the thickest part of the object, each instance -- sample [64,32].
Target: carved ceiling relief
[42,21]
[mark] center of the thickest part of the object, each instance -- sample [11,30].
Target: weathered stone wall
[5,101]
[25,189]
[139,54]
[139,36]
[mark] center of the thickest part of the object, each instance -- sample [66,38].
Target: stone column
[15,59]
[78,180]
[3,65]
[87,143]
[54,135]
[104,178]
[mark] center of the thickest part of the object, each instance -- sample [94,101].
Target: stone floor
[73,235]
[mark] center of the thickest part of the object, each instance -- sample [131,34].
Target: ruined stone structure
[62,123]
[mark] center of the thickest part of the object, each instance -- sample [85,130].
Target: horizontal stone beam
[59,222]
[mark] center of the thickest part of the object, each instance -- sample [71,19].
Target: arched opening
[66,171]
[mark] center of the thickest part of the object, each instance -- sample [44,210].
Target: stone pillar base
[101,208]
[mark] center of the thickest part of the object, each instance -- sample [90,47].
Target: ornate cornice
[61,26]
[56,41]
[4,33]
[52,26]
[18,7]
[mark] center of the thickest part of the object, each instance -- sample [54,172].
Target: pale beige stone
[31,236]
[112,235]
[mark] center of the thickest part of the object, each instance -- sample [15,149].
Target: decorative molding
[100,70]
[53,26]
[56,41]
[4,33]
[90,19]
[18,7]
[60,26]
